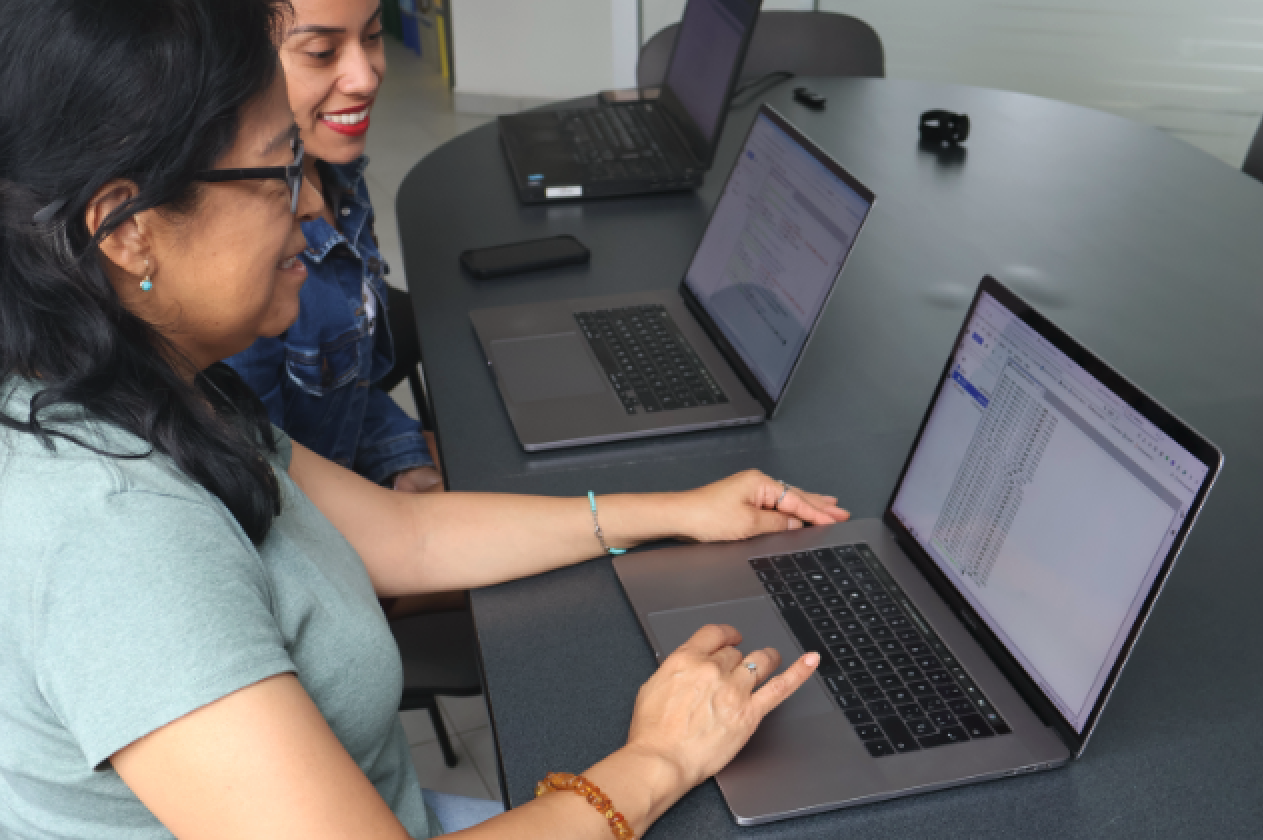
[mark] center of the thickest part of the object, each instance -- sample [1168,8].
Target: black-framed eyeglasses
[291,175]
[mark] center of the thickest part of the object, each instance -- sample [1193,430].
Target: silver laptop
[721,350]
[976,630]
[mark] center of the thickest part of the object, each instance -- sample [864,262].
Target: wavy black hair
[150,91]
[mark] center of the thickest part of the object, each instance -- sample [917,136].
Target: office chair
[1253,165]
[440,659]
[403,331]
[802,43]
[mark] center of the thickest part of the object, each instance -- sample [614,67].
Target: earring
[146,284]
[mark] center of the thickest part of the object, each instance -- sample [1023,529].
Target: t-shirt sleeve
[153,606]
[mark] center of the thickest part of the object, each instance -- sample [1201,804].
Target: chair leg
[440,731]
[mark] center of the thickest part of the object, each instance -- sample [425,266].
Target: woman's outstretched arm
[433,543]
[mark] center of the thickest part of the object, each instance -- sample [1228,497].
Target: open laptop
[976,630]
[721,350]
[643,147]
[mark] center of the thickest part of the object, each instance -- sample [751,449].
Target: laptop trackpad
[545,367]
[760,627]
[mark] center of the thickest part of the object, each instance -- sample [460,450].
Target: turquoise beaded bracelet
[596,528]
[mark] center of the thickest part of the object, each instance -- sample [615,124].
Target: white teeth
[346,119]
[289,263]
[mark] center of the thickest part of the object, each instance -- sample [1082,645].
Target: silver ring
[751,667]
[781,498]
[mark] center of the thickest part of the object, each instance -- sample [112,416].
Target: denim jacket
[317,378]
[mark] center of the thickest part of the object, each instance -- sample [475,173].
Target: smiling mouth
[288,263]
[347,118]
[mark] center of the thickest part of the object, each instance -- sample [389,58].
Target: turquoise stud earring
[146,284]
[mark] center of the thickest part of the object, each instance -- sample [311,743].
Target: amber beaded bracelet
[590,792]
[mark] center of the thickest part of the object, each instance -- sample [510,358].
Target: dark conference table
[1146,249]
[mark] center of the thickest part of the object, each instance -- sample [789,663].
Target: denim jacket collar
[344,183]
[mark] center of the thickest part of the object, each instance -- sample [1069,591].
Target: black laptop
[643,147]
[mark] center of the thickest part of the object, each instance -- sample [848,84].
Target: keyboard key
[929,663]
[889,683]
[881,708]
[869,653]
[837,684]
[997,724]
[858,716]
[955,734]
[862,678]
[976,726]
[891,647]
[791,575]
[833,637]
[808,600]
[918,649]
[768,575]
[961,706]
[859,639]
[900,738]
[908,636]
[869,731]
[760,563]
[798,587]
[850,701]
[921,727]
[921,687]
[949,692]
[784,602]
[776,587]
[909,674]
[881,633]
[900,660]
[932,704]
[939,677]
[943,718]
[784,563]
[824,624]
[936,740]
[872,692]
[817,612]
[841,650]
[852,663]
[879,748]
[909,711]
[900,695]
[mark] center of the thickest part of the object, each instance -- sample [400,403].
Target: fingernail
[812,659]
[794,524]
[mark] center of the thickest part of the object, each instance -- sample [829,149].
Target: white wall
[1193,68]
[511,54]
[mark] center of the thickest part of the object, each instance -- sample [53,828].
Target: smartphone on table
[518,257]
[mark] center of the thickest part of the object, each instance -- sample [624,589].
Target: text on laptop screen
[774,247]
[709,39]
[1047,500]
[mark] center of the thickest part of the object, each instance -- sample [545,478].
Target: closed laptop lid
[705,65]
[781,232]
[1047,498]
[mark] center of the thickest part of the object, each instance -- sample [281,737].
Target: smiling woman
[326,379]
[192,642]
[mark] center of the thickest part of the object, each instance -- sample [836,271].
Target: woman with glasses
[189,619]
[325,380]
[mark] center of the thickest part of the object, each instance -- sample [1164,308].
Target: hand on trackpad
[545,367]
[760,626]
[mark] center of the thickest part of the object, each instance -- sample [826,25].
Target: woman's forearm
[467,540]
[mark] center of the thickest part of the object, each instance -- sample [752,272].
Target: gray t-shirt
[129,596]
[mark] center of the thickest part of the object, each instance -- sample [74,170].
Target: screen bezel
[1199,447]
[701,147]
[743,371]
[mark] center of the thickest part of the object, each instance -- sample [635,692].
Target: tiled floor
[413,117]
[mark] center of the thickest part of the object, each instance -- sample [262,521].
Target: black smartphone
[532,255]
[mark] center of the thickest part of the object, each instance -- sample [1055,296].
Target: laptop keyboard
[898,684]
[618,143]
[648,360]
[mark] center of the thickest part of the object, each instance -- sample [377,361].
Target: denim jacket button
[363,383]
[346,211]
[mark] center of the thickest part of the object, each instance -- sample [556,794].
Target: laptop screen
[1048,501]
[707,50]
[778,238]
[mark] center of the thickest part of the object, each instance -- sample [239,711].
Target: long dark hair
[151,91]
